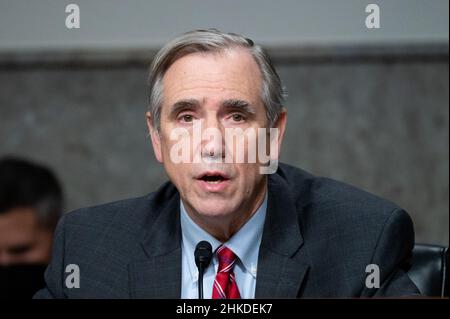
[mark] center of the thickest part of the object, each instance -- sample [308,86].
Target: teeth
[213,182]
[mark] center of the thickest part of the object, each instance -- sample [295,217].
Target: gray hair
[212,40]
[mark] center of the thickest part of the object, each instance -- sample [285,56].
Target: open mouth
[213,178]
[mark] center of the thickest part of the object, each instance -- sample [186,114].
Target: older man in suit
[276,231]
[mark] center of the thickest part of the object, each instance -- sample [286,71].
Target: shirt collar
[245,243]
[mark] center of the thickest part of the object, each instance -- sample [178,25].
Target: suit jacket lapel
[158,274]
[282,263]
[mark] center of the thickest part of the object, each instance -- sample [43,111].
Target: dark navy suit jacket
[319,236]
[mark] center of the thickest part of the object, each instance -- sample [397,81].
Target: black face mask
[21,281]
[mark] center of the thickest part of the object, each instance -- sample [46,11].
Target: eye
[187,118]
[237,117]
[20,249]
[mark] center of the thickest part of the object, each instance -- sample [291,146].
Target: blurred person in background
[30,207]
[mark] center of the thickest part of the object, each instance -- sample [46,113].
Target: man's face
[218,91]
[22,239]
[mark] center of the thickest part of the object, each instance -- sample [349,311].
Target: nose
[212,138]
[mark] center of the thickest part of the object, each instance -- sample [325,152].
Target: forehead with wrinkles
[231,74]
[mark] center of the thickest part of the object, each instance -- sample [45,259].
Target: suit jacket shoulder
[102,241]
[345,229]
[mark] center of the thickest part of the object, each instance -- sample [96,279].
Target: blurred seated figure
[30,207]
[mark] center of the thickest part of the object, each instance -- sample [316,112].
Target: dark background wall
[378,123]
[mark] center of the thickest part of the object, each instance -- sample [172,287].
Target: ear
[155,137]
[281,125]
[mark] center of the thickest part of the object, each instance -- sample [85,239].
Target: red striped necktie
[225,286]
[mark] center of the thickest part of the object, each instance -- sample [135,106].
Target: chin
[214,208]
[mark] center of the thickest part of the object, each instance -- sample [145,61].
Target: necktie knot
[225,283]
[226,258]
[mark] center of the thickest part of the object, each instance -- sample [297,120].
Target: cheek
[179,175]
[177,143]
[249,177]
[165,145]
[177,171]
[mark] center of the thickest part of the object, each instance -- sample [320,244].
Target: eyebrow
[193,104]
[184,104]
[239,104]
